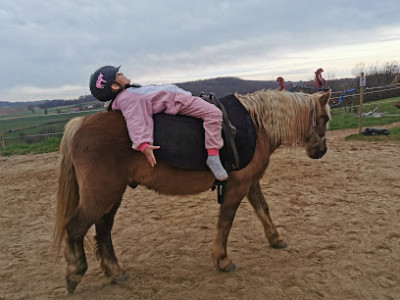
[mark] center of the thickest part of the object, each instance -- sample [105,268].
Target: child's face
[121,79]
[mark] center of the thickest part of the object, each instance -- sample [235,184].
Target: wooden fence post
[363,83]
[3,144]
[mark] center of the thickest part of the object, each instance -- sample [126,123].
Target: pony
[97,164]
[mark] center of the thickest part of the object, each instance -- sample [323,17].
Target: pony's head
[291,118]
[314,139]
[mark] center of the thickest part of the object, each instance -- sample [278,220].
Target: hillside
[220,86]
[223,86]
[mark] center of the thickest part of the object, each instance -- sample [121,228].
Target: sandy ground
[339,216]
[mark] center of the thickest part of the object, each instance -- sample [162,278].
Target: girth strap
[221,189]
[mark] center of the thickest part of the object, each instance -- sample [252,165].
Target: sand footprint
[353,236]
[317,276]
[383,250]
[394,238]
[353,272]
[387,280]
[324,255]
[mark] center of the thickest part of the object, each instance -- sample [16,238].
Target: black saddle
[182,138]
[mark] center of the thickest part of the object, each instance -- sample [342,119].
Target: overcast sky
[49,48]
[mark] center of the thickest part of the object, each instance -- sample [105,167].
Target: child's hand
[150,155]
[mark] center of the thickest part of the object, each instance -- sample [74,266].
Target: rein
[313,130]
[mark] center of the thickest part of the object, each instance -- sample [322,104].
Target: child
[281,84]
[319,81]
[139,103]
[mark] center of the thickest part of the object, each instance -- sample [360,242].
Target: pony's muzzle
[317,153]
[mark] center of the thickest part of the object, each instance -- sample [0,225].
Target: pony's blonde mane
[284,116]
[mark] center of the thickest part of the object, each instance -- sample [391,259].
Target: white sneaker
[214,163]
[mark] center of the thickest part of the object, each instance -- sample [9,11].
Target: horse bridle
[313,130]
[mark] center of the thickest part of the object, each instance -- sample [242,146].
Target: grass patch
[343,120]
[48,145]
[17,124]
[34,129]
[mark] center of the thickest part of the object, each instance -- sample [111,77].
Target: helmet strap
[132,85]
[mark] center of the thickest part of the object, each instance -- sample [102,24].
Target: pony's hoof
[231,268]
[123,278]
[71,286]
[279,245]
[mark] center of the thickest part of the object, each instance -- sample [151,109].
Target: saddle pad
[182,137]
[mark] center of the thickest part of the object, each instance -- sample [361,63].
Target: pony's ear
[324,98]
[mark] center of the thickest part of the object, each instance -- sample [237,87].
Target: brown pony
[98,163]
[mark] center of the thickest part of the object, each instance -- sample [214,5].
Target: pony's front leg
[227,213]
[261,208]
[105,249]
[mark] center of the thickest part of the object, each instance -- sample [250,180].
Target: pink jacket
[139,104]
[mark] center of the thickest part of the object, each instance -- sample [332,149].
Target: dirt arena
[339,216]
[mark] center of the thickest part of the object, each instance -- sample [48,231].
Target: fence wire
[366,93]
[33,135]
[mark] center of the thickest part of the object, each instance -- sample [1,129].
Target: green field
[35,128]
[24,111]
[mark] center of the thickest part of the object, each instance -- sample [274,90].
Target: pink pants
[212,117]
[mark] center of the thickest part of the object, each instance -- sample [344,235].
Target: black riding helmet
[101,81]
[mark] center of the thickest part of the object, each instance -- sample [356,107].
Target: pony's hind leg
[261,208]
[232,200]
[74,253]
[105,250]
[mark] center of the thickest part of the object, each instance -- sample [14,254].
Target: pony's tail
[68,189]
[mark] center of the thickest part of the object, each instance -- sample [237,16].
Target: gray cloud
[49,48]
